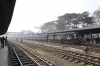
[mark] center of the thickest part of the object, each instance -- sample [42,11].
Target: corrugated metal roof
[90,29]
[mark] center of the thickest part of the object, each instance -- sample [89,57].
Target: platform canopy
[6,12]
[85,30]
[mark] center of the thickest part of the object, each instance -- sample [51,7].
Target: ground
[50,57]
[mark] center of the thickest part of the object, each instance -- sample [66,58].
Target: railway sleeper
[71,56]
[27,62]
[76,61]
[97,63]
[12,53]
[15,64]
[89,63]
[92,62]
[96,59]
[89,58]
[64,53]
[14,59]
[83,57]
[24,58]
[78,57]
[50,51]
[30,65]
[74,54]
[58,53]
[37,60]
[62,56]
[67,57]
[71,59]
[42,64]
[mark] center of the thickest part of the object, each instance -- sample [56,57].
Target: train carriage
[44,37]
[64,38]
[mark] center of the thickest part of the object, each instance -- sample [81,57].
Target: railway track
[75,57]
[20,56]
[72,56]
[92,48]
[17,57]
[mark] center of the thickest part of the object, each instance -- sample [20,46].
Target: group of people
[93,40]
[3,41]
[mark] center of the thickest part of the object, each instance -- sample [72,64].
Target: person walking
[6,40]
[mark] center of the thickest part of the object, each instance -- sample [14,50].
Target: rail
[38,61]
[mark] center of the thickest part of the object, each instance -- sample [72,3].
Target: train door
[50,37]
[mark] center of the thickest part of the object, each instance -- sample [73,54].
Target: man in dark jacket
[6,41]
[2,41]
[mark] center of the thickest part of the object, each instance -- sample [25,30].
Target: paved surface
[3,56]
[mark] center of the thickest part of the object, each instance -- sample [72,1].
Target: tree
[48,27]
[60,24]
[85,19]
[96,16]
[66,21]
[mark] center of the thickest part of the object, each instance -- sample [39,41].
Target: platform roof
[85,30]
[6,12]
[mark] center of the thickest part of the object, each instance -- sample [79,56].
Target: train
[90,35]
[67,37]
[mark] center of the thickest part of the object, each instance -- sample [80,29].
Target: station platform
[3,56]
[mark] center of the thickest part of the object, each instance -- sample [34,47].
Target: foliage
[65,21]
[68,21]
[96,16]
[48,27]
[85,18]
[73,20]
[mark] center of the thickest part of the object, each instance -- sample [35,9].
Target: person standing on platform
[6,41]
[2,42]
[21,39]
